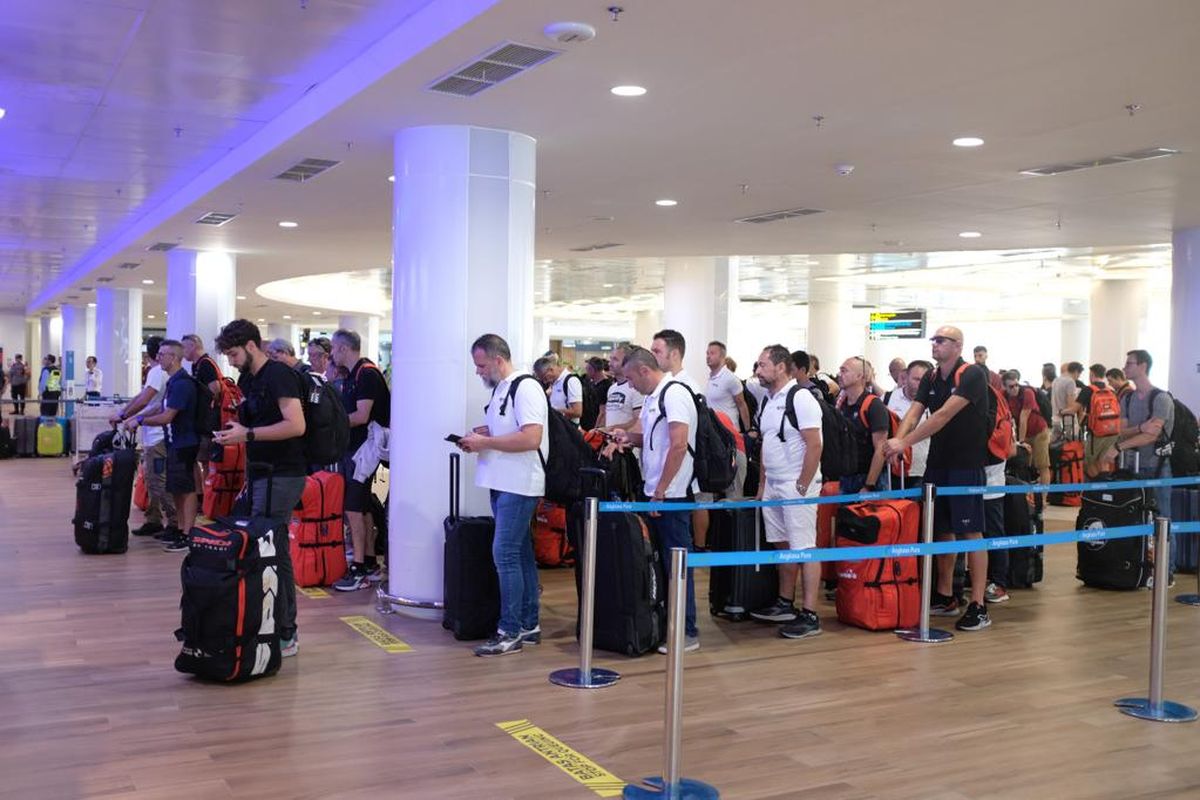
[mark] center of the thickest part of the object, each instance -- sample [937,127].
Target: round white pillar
[119,339]
[463,234]
[1117,320]
[74,347]
[1182,358]
[696,295]
[830,321]
[1075,335]
[367,327]
[645,325]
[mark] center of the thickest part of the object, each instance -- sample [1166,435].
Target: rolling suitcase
[315,534]
[825,517]
[1069,466]
[881,593]
[471,586]
[103,493]
[630,613]
[733,592]
[51,437]
[230,600]
[1025,566]
[25,436]
[1126,563]
[1185,507]
[225,478]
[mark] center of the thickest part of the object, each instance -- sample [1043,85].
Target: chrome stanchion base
[686,789]
[574,678]
[1142,708]
[933,635]
[1188,599]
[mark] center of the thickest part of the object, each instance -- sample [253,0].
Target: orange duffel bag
[315,534]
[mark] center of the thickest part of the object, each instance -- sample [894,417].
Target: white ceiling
[727,129]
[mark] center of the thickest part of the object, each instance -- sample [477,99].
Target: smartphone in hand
[454,438]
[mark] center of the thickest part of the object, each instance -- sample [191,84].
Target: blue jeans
[1162,498]
[512,550]
[674,529]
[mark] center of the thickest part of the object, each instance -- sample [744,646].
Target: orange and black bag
[316,536]
[550,545]
[225,479]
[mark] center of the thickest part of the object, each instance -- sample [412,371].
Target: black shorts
[181,470]
[961,514]
[356,491]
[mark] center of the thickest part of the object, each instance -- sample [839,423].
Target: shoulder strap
[511,394]
[582,388]
[662,410]
[958,373]
[789,411]
[868,398]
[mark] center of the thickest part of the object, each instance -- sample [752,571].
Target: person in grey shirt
[1062,394]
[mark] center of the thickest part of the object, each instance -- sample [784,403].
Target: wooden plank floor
[90,705]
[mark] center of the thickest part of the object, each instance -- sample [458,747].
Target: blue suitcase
[1185,507]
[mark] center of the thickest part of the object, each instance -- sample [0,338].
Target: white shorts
[796,525]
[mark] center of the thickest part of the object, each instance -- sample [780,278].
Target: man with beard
[512,447]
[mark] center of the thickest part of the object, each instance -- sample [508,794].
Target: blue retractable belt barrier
[1093,486]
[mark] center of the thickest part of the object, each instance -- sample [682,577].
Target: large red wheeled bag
[878,593]
[315,534]
[825,517]
[225,479]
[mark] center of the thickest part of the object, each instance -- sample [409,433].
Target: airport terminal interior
[848,179]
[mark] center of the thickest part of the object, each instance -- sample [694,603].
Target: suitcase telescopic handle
[455,468]
[599,476]
[262,468]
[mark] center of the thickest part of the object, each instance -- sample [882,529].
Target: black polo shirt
[205,370]
[864,443]
[366,383]
[263,390]
[962,442]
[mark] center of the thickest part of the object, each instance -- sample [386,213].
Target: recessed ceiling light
[316,313]
[665,202]
[287,316]
[91,305]
[609,285]
[149,316]
[391,178]
[260,319]
[241,297]
[148,281]
[628,91]
[968,141]
[288,224]
[970,235]
[2,113]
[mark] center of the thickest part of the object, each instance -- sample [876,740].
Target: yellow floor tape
[570,761]
[312,592]
[380,637]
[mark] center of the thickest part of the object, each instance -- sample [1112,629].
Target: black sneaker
[147,529]
[779,611]
[976,618]
[500,645]
[807,624]
[177,545]
[354,579]
[168,535]
[941,605]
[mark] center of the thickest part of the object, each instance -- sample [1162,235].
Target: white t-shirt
[94,380]
[994,476]
[722,390]
[623,405]
[784,460]
[756,388]
[517,473]
[656,439]
[566,391]
[689,380]
[900,404]
[156,378]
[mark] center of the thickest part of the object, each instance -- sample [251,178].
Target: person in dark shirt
[271,423]
[854,376]
[956,395]
[367,399]
[207,373]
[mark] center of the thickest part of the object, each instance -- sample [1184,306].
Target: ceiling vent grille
[162,247]
[104,279]
[588,248]
[216,218]
[306,170]
[504,62]
[1122,158]
[129,265]
[776,216]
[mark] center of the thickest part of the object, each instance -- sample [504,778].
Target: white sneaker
[690,645]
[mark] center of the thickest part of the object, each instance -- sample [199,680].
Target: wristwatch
[249,434]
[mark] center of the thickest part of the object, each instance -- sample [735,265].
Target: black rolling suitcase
[630,610]
[1126,563]
[471,588]
[1025,566]
[230,603]
[103,495]
[733,592]
[1185,507]
[25,436]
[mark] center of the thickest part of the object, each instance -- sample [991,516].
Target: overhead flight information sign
[897,324]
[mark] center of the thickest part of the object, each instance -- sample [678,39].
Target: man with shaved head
[956,394]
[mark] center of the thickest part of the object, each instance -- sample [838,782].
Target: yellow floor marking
[570,761]
[312,592]
[377,635]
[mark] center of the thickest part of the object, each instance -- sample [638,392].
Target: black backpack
[1043,402]
[714,459]
[568,452]
[1184,442]
[201,411]
[838,450]
[751,406]
[595,395]
[326,424]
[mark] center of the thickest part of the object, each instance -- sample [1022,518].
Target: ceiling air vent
[306,170]
[216,218]
[502,63]
[776,216]
[106,279]
[162,247]
[129,265]
[1122,158]
[587,248]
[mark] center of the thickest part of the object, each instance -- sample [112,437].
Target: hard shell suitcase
[103,492]
[25,435]
[51,437]
[733,592]
[315,535]
[1185,507]
[1126,563]
[1024,563]
[880,593]
[471,586]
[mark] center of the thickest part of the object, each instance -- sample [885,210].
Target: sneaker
[374,574]
[690,645]
[289,647]
[354,579]
[168,535]
[807,624]
[942,606]
[976,618]
[532,636]
[779,611]
[177,545]
[995,593]
[147,529]
[500,645]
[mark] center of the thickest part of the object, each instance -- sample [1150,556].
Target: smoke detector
[569,32]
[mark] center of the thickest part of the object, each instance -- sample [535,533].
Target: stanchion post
[1190,599]
[586,676]
[671,784]
[1154,707]
[923,633]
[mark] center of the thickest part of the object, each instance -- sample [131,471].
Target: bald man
[956,395]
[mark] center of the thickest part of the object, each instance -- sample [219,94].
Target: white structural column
[119,339]
[1118,320]
[201,293]
[463,230]
[646,324]
[1076,341]
[51,336]
[830,319]
[367,327]
[283,330]
[696,302]
[1184,357]
[89,336]
[75,341]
